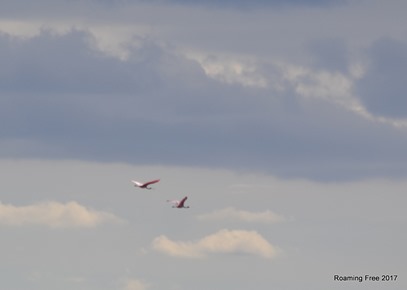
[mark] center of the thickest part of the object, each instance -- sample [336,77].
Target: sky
[284,122]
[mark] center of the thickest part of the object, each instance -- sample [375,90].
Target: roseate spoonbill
[145,184]
[179,203]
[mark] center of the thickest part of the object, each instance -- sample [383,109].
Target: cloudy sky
[284,122]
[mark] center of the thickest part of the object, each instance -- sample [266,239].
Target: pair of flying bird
[176,203]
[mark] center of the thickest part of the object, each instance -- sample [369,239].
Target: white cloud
[233,214]
[332,87]
[231,70]
[322,84]
[223,242]
[308,83]
[328,86]
[54,215]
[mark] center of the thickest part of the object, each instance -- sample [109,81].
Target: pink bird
[146,184]
[179,203]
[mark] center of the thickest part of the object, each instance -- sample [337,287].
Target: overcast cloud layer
[190,85]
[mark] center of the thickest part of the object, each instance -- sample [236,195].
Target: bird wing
[181,203]
[151,182]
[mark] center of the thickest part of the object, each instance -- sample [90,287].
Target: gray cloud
[329,54]
[256,3]
[101,9]
[61,98]
[54,63]
[383,88]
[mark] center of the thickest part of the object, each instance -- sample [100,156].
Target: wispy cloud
[54,214]
[233,214]
[222,242]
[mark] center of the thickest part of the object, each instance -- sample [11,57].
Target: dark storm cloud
[62,99]
[383,89]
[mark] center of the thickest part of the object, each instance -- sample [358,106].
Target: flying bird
[179,203]
[144,185]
